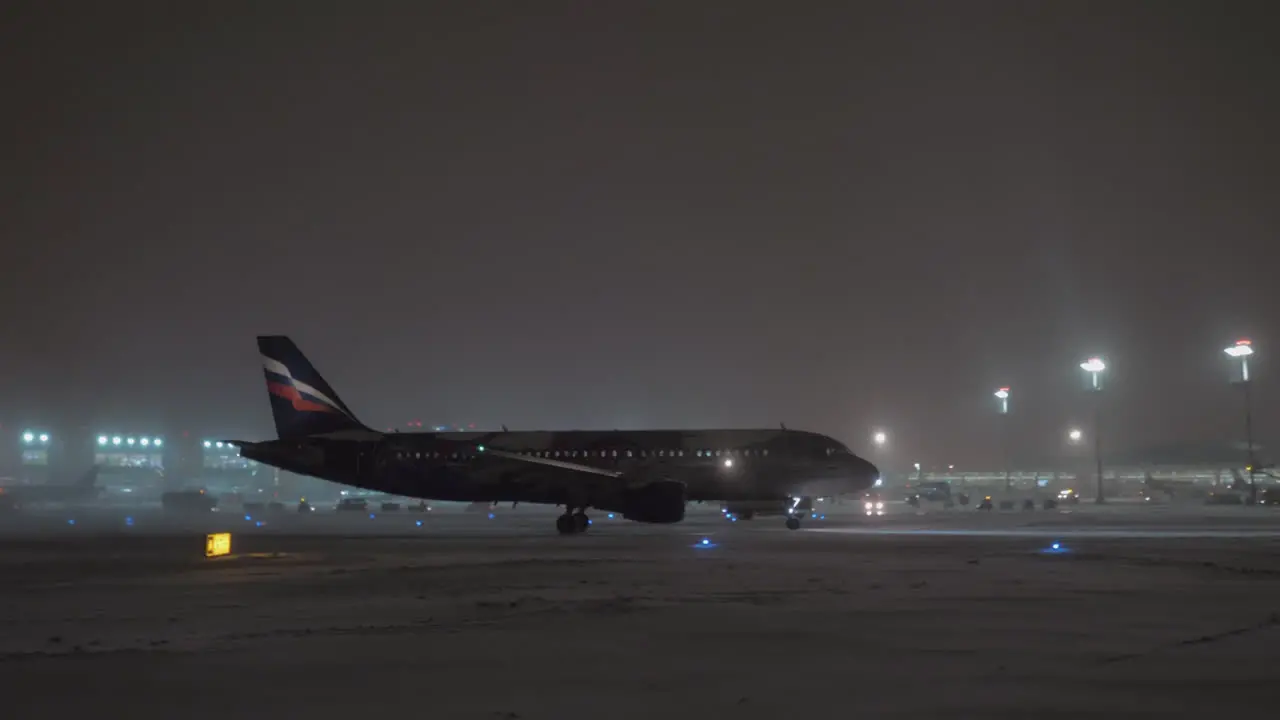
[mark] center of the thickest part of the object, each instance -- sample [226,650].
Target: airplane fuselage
[722,465]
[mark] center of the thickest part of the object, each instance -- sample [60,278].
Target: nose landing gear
[799,506]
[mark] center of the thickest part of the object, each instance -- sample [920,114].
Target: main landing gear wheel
[571,523]
[793,523]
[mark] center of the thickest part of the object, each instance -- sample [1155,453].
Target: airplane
[13,497]
[644,475]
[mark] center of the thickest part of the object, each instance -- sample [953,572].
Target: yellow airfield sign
[217,544]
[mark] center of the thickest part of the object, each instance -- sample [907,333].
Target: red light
[472,426]
[1004,389]
[1244,342]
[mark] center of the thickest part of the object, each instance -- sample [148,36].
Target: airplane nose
[866,470]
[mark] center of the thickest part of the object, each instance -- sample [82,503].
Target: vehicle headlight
[870,505]
[879,506]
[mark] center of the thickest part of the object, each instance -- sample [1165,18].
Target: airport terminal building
[143,462]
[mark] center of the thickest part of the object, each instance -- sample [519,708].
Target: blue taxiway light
[128,521]
[1056,548]
[372,516]
[258,524]
[418,523]
[704,544]
[610,516]
[490,516]
[72,521]
[248,517]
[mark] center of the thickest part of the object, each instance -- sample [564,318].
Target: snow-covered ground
[916,616]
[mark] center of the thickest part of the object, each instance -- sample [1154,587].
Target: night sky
[600,215]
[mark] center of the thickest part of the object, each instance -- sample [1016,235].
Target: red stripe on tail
[290,393]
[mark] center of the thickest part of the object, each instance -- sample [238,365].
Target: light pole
[880,438]
[1094,366]
[1241,351]
[1003,396]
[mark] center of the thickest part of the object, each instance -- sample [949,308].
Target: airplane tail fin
[302,403]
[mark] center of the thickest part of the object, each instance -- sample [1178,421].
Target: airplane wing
[638,496]
[549,462]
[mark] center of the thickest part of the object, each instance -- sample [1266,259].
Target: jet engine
[657,501]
